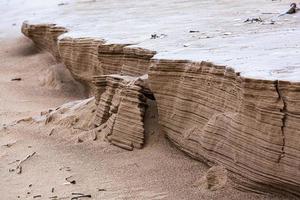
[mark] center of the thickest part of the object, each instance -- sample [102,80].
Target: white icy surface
[257,50]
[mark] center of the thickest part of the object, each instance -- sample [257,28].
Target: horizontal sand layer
[250,126]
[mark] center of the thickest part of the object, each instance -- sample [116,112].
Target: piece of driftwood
[19,167]
[27,157]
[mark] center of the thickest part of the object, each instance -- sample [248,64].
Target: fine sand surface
[158,171]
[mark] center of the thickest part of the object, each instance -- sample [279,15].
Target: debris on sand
[79,140]
[80,195]
[156,36]
[8,145]
[19,169]
[252,20]
[70,180]
[19,166]
[26,158]
[62,4]
[16,79]
[37,196]
[77,193]
[66,168]
[94,135]
[51,132]
[293,9]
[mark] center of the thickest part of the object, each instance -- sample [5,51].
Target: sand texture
[249,126]
[120,110]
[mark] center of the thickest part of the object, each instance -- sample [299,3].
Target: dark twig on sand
[51,132]
[9,144]
[16,79]
[82,196]
[66,168]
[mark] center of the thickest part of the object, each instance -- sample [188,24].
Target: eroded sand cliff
[249,126]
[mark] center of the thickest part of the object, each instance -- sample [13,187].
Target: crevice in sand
[284,118]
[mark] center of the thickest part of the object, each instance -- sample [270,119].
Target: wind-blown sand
[158,171]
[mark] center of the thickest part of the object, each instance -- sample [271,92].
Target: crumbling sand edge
[212,113]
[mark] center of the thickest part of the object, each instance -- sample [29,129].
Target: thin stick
[27,157]
[82,196]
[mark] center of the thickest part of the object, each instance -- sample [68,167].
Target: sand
[158,171]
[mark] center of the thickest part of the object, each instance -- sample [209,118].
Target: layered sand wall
[210,112]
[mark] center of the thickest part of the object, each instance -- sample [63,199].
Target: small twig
[16,79]
[37,196]
[19,167]
[67,168]
[51,132]
[94,135]
[9,144]
[81,196]
[27,157]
